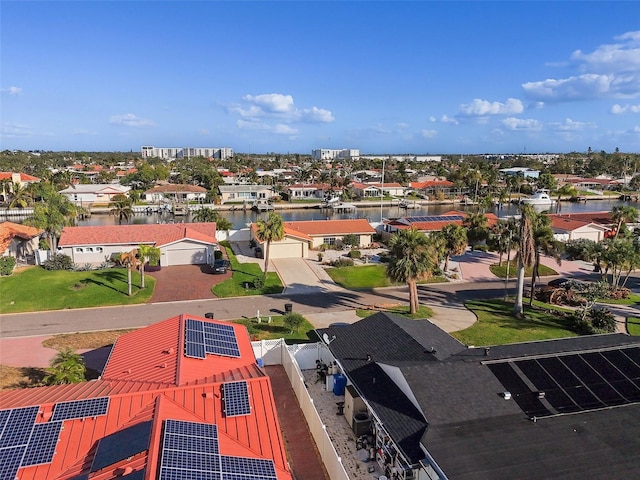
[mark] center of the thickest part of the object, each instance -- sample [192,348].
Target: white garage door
[286,250]
[187,256]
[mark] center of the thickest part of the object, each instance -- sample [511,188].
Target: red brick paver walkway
[304,457]
[185,282]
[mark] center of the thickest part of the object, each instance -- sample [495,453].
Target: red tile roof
[571,224]
[601,218]
[431,184]
[148,379]
[154,234]
[24,177]
[332,227]
[10,230]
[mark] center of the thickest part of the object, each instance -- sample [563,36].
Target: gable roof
[564,224]
[23,177]
[10,230]
[455,399]
[332,227]
[176,188]
[153,234]
[108,188]
[431,184]
[141,399]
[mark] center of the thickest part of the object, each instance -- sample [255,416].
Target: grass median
[363,277]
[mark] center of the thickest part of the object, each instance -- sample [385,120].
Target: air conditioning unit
[361,423]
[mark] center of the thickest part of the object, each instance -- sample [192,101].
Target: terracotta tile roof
[148,379]
[331,227]
[601,218]
[154,234]
[24,177]
[10,230]
[431,184]
[172,188]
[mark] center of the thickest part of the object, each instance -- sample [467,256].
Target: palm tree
[51,215]
[129,260]
[205,214]
[623,214]
[412,258]
[121,207]
[501,237]
[66,367]
[526,253]
[545,243]
[270,230]
[20,196]
[147,253]
[476,225]
[454,241]
[566,190]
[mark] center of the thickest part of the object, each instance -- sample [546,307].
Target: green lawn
[632,300]
[242,278]
[366,276]
[497,326]
[501,271]
[402,310]
[633,326]
[36,289]
[277,329]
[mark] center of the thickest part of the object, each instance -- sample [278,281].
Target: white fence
[294,359]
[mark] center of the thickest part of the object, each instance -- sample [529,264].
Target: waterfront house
[19,241]
[179,243]
[87,195]
[245,193]
[8,179]
[566,229]
[306,191]
[364,190]
[176,193]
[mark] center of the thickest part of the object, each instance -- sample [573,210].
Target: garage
[288,248]
[184,253]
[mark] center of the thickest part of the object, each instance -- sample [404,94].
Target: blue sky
[277,76]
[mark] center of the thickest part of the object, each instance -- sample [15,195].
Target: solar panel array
[124,443]
[80,409]
[236,399]
[190,451]
[572,383]
[435,218]
[206,337]
[24,442]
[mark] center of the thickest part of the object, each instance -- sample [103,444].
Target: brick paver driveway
[185,282]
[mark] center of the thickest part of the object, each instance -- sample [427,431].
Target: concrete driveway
[301,276]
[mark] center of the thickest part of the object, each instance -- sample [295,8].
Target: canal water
[240,218]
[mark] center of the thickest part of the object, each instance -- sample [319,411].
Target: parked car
[220,265]
[258,252]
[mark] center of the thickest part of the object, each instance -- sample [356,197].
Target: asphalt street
[109,318]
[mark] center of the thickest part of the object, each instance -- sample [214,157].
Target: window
[98,249]
[79,250]
[88,249]
[329,240]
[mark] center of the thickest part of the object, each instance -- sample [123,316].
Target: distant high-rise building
[330,154]
[186,152]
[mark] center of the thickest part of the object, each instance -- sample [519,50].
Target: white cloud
[610,71]
[271,102]
[448,119]
[9,130]
[522,124]
[280,129]
[571,126]
[480,107]
[621,109]
[317,115]
[13,91]
[203,131]
[279,106]
[130,120]
[432,119]
[429,133]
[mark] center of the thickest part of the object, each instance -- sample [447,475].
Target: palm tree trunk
[517,307]
[446,263]
[142,273]
[413,296]
[266,257]
[129,278]
[534,275]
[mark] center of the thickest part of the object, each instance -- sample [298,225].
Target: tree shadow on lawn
[111,279]
[502,313]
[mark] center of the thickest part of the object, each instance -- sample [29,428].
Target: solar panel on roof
[236,399]
[195,429]
[10,459]
[80,409]
[18,426]
[255,467]
[122,444]
[194,350]
[189,451]
[435,218]
[192,324]
[4,416]
[42,444]
[207,337]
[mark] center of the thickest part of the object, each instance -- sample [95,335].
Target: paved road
[108,318]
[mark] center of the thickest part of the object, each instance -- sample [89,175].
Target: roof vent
[486,351]
[506,395]
[541,395]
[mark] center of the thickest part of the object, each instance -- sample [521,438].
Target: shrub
[320,256]
[598,320]
[480,248]
[342,262]
[351,239]
[58,262]
[293,321]
[7,264]
[258,283]
[217,254]
[354,254]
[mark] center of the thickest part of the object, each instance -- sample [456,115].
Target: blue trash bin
[339,384]
[260,362]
